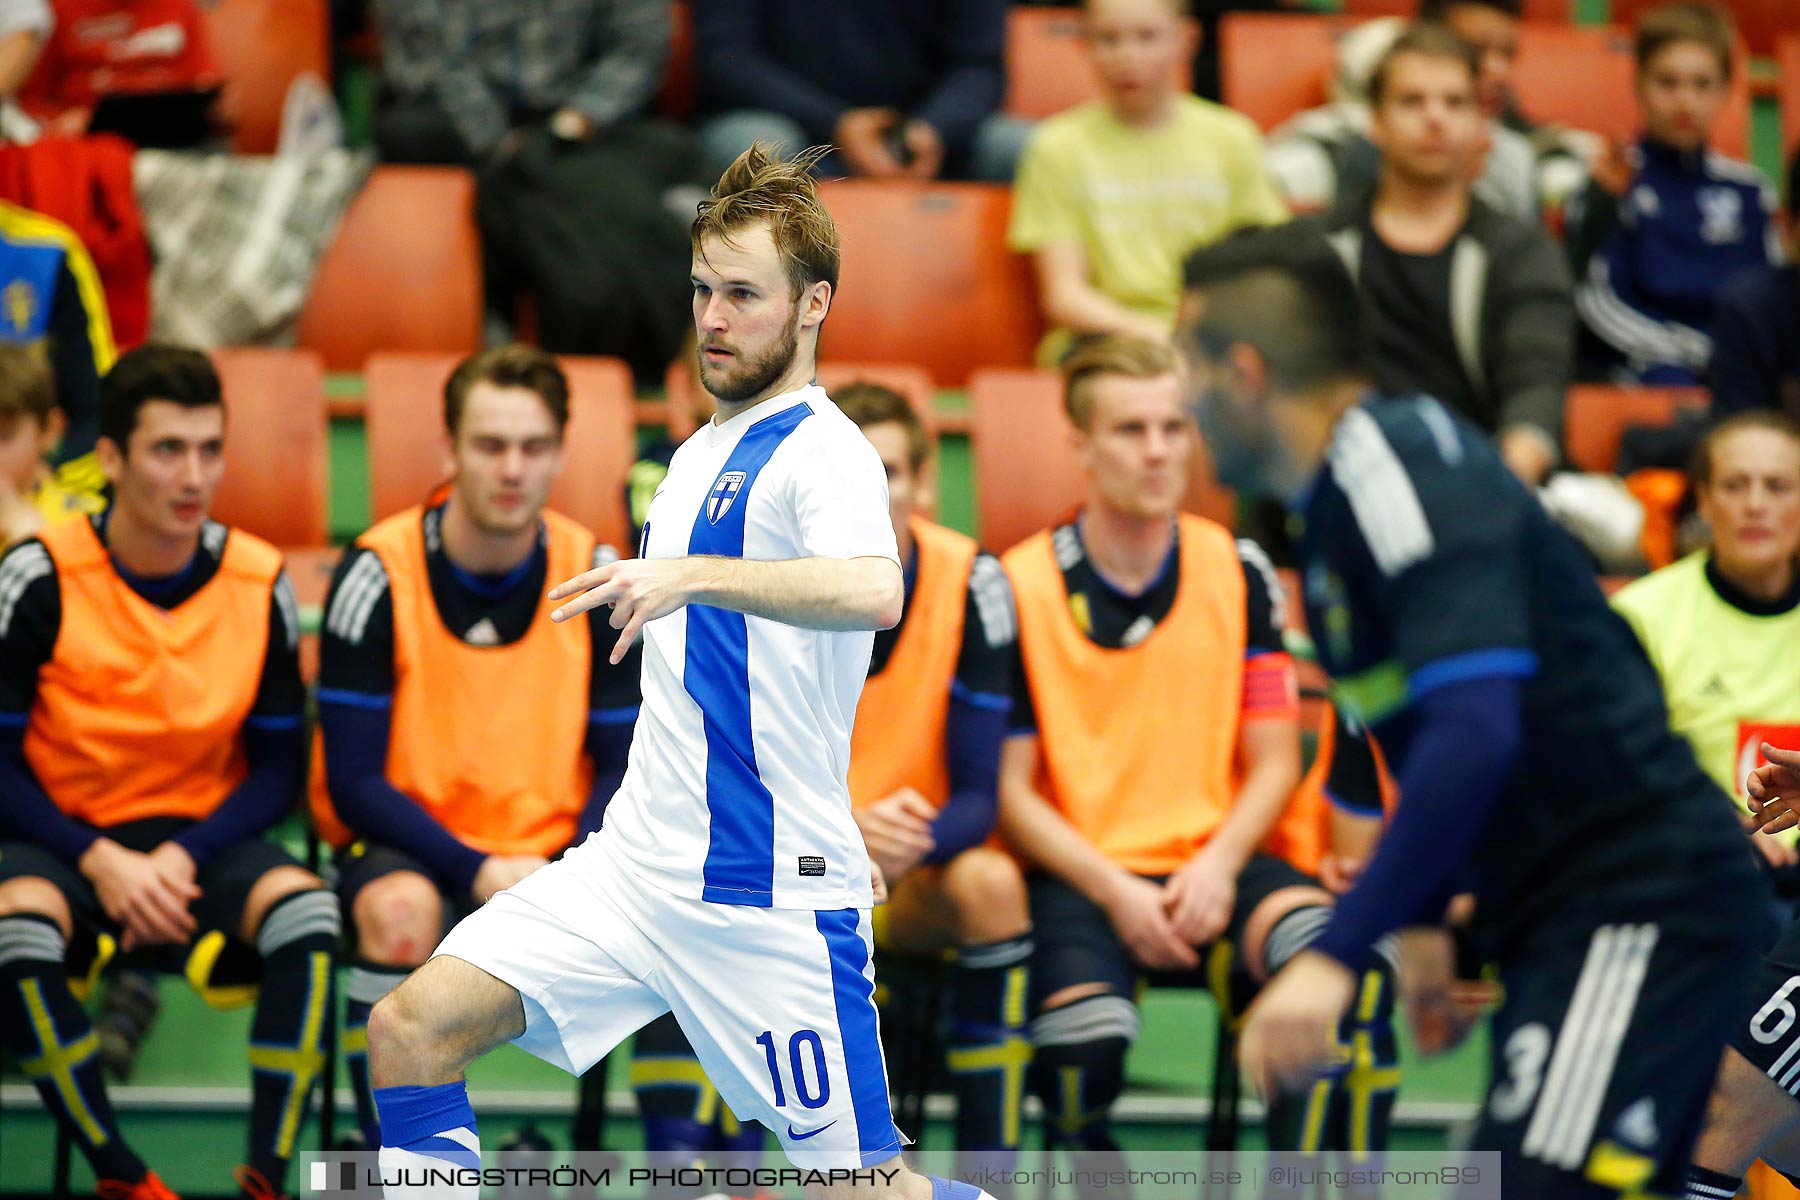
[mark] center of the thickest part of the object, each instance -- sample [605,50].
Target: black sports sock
[46,1028]
[367,984]
[989,1047]
[1079,1069]
[297,941]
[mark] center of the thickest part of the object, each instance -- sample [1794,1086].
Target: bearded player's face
[746,317]
[505,457]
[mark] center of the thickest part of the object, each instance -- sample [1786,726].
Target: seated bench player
[1155,748]
[150,710]
[924,757]
[464,739]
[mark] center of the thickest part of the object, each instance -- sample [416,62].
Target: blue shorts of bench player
[779,1003]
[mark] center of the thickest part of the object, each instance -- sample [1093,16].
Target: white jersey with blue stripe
[736,787]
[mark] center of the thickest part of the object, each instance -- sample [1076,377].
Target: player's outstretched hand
[639,590]
[1199,896]
[1290,1033]
[1135,908]
[1774,791]
[1438,1008]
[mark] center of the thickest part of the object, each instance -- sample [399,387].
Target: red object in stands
[86,184]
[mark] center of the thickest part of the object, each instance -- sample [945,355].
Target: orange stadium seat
[1787,84]
[262,46]
[275,444]
[1597,415]
[1759,22]
[1275,65]
[926,278]
[1047,64]
[407,452]
[403,273]
[1027,474]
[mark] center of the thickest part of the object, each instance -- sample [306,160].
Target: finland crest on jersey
[736,789]
[723,493]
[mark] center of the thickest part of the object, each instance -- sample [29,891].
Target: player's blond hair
[761,188]
[1109,354]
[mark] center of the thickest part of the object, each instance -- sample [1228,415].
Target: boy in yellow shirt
[1113,194]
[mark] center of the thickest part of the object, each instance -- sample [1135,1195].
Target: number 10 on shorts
[805,1039]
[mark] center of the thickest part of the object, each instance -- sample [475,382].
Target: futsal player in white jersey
[728,883]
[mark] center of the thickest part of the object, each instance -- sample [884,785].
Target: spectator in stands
[121,52]
[582,205]
[150,686]
[464,81]
[1112,195]
[1722,625]
[1756,331]
[924,759]
[1325,154]
[903,88]
[30,427]
[464,738]
[1663,225]
[1155,748]
[50,297]
[1462,302]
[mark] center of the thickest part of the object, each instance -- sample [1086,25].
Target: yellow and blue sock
[50,1034]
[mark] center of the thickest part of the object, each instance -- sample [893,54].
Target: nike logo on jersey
[811,1133]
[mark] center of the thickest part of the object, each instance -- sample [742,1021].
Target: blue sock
[435,1122]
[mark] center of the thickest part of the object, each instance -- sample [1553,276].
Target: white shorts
[779,1003]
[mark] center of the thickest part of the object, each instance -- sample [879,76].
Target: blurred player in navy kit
[1536,765]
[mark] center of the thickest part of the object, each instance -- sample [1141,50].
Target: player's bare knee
[399,919]
[1268,914]
[988,892]
[276,885]
[403,1044]
[1069,995]
[31,896]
